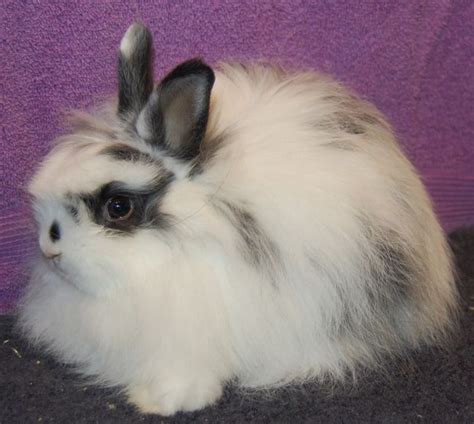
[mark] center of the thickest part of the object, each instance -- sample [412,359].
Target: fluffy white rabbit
[243,224]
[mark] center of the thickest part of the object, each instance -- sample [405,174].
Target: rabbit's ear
[175,117]
[135,71]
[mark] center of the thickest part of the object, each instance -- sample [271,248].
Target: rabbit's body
[294,241]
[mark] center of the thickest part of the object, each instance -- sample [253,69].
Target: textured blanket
[413,59]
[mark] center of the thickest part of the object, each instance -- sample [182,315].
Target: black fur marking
[71,206]
[177,113]
[72,210]
[135,74]
[258,249]
[146,201]
[125,152]
[208,150]
[197,169]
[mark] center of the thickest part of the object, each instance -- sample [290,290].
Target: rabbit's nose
[54,232]
[48,241]
[51,253]
[49,249]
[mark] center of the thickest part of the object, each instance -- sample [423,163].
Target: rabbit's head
[100,196]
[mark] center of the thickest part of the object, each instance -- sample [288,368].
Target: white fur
[173,315]
[129,40]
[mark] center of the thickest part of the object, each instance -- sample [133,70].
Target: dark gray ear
[135,71]
[175,117]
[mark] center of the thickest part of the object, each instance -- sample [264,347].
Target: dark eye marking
[123,208]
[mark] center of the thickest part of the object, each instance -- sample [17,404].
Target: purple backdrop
[413,59]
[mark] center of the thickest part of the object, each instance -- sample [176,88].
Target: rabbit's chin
[52,271]
[110,338]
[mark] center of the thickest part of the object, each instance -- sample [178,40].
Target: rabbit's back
[327,211]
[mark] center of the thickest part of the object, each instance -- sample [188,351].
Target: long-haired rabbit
[243,224]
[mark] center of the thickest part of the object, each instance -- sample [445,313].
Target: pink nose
[50,253]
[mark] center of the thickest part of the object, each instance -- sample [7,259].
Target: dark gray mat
[435,387]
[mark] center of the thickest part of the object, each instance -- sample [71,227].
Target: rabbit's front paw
[175,395]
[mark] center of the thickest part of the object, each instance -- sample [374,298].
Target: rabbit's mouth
[70,276]
[55,266]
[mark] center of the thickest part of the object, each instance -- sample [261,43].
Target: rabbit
[243,225]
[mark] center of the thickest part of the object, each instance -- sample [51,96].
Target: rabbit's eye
[119,208]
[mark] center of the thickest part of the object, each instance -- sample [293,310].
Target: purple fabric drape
[413,59]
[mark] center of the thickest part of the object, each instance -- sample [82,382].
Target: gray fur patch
[257,248]
[348,123]
[381,312]
[394,273]
[370,119]
[351,115]
[125,152]
[341,145]
[71,206]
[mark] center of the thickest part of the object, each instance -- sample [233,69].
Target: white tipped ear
[135,70]
[130,40]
